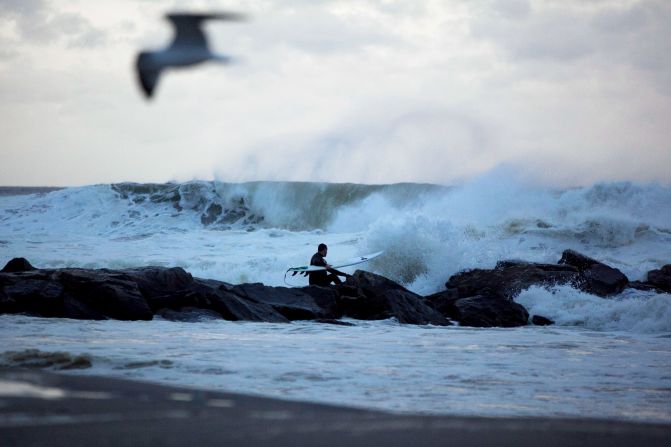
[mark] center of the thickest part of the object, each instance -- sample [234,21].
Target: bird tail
[222,58]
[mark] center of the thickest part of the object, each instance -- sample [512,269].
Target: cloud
[605,35]
[7,54]
[39,21]
[21,6]
[312,30]
[388,141]
[512,9]
[77,31]
[340,90]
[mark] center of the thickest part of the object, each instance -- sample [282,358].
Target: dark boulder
[220,297]
[169,290]
[40,293]
[443,301]
[577,260]
[110,293]
[489,311]
[644,286]
[159,284]
[307,303]
[7,304]
[595,277]
[661,278]
[381,298]
[18,265]
[75,309]
[509,278]
[602,280]
[539,320]
[32,293]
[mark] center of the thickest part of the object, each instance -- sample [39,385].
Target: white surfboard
[353,261]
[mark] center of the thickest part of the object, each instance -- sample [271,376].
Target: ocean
[604,358]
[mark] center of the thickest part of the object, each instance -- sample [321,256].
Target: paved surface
[44,409]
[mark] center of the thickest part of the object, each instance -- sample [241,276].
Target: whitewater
[604,358]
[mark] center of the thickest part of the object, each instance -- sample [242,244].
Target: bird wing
[147,74]
[187,28]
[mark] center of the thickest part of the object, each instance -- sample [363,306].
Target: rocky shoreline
[478,297]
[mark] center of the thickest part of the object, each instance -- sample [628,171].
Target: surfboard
[354,261]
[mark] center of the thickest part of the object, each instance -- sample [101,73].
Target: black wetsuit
[323,277]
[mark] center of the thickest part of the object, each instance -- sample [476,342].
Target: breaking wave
[293,206]
[631,311]
[428,232]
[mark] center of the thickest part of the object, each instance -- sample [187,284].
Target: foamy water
[428,232]
[530,371]
[604,358]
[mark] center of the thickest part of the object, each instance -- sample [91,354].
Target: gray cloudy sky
[373,91]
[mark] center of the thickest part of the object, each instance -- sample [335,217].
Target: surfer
[324,277]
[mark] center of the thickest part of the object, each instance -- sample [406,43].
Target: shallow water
[530,371]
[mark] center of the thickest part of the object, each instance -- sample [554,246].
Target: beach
[41,408]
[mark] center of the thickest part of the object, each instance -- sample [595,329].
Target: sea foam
[632,311]
[254,231]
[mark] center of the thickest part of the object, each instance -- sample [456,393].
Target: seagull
[189,47]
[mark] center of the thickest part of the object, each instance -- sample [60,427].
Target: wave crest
[566,306]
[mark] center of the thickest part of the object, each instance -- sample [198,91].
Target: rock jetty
[478,297]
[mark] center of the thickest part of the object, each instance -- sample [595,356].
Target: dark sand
[61,410]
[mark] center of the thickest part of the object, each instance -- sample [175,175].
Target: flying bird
[189,47]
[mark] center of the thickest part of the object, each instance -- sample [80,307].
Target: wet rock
[139,293]
[509,278]
[380,298]
[443,301]
[171,288]
[578,260]
[34,358]
[165,364]
[31,293]
[110,293]
[595,277]
[220,297]
[603,280]
[661,278]
[156,282]
[334,322]
[7,305]
[307,303]
[17,265]
[75,309]
[73,293]
[539,320]
[644,286]
[347,291]
[189,315]
[211,214]
[489,311]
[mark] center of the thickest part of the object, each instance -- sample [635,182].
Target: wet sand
[46,409]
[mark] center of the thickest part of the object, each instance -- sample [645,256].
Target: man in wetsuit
[324,277]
